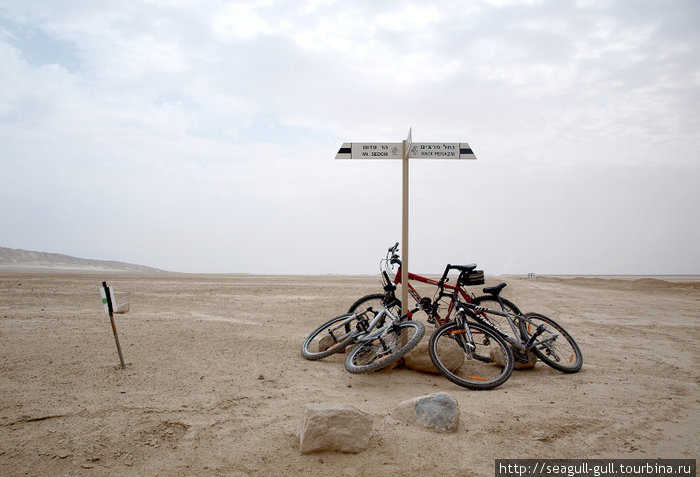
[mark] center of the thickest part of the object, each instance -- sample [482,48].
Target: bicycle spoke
[471,363]
[331,337]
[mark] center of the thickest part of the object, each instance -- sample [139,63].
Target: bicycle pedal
[431,320]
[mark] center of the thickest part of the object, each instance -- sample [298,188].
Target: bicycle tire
[374,301]
[561,355]
[479,370]
[313,349]
[376,354]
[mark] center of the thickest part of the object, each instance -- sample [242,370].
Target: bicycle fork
[467,344]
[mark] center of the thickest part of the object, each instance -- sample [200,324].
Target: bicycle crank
[520,356]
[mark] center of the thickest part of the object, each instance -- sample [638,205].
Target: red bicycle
[441,307]
[469,346]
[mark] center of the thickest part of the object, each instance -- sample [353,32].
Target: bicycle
[377,335]
[536,333]
[435,308]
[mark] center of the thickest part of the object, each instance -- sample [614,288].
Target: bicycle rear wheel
[331,337]
[554,345]
[381,352]
[487,366]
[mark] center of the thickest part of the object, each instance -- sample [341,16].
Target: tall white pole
[404,231]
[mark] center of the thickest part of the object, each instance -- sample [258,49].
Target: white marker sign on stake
[110,303]
[112,300]
[405,150]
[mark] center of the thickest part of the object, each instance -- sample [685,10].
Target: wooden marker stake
[109,308]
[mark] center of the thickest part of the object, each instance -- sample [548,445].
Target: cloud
[216,123]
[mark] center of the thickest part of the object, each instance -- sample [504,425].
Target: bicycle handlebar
[394,258]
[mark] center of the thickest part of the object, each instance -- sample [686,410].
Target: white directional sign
[416,150]
[370,150]
[441,150]
[405,150]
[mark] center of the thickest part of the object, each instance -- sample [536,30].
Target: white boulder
[334,427]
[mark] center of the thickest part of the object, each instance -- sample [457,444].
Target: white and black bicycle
[379,337]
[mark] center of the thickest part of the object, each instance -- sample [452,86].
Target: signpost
[404,151]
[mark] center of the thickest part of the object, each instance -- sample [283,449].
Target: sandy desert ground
[215,384]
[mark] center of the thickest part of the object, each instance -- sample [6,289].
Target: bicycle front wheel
[486,365]
[331,337]
[553,345]
[381,352]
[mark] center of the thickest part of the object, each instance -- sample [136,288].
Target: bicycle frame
[369,336]
[508,316]
[370,333]
[457,289]
[479,318]
[519,344]
[456,292]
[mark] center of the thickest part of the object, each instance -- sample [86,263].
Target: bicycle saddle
[495,290]
[464,268]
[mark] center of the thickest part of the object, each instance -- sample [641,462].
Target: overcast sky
[199,136]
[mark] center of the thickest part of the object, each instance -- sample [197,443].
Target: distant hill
[13,258]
